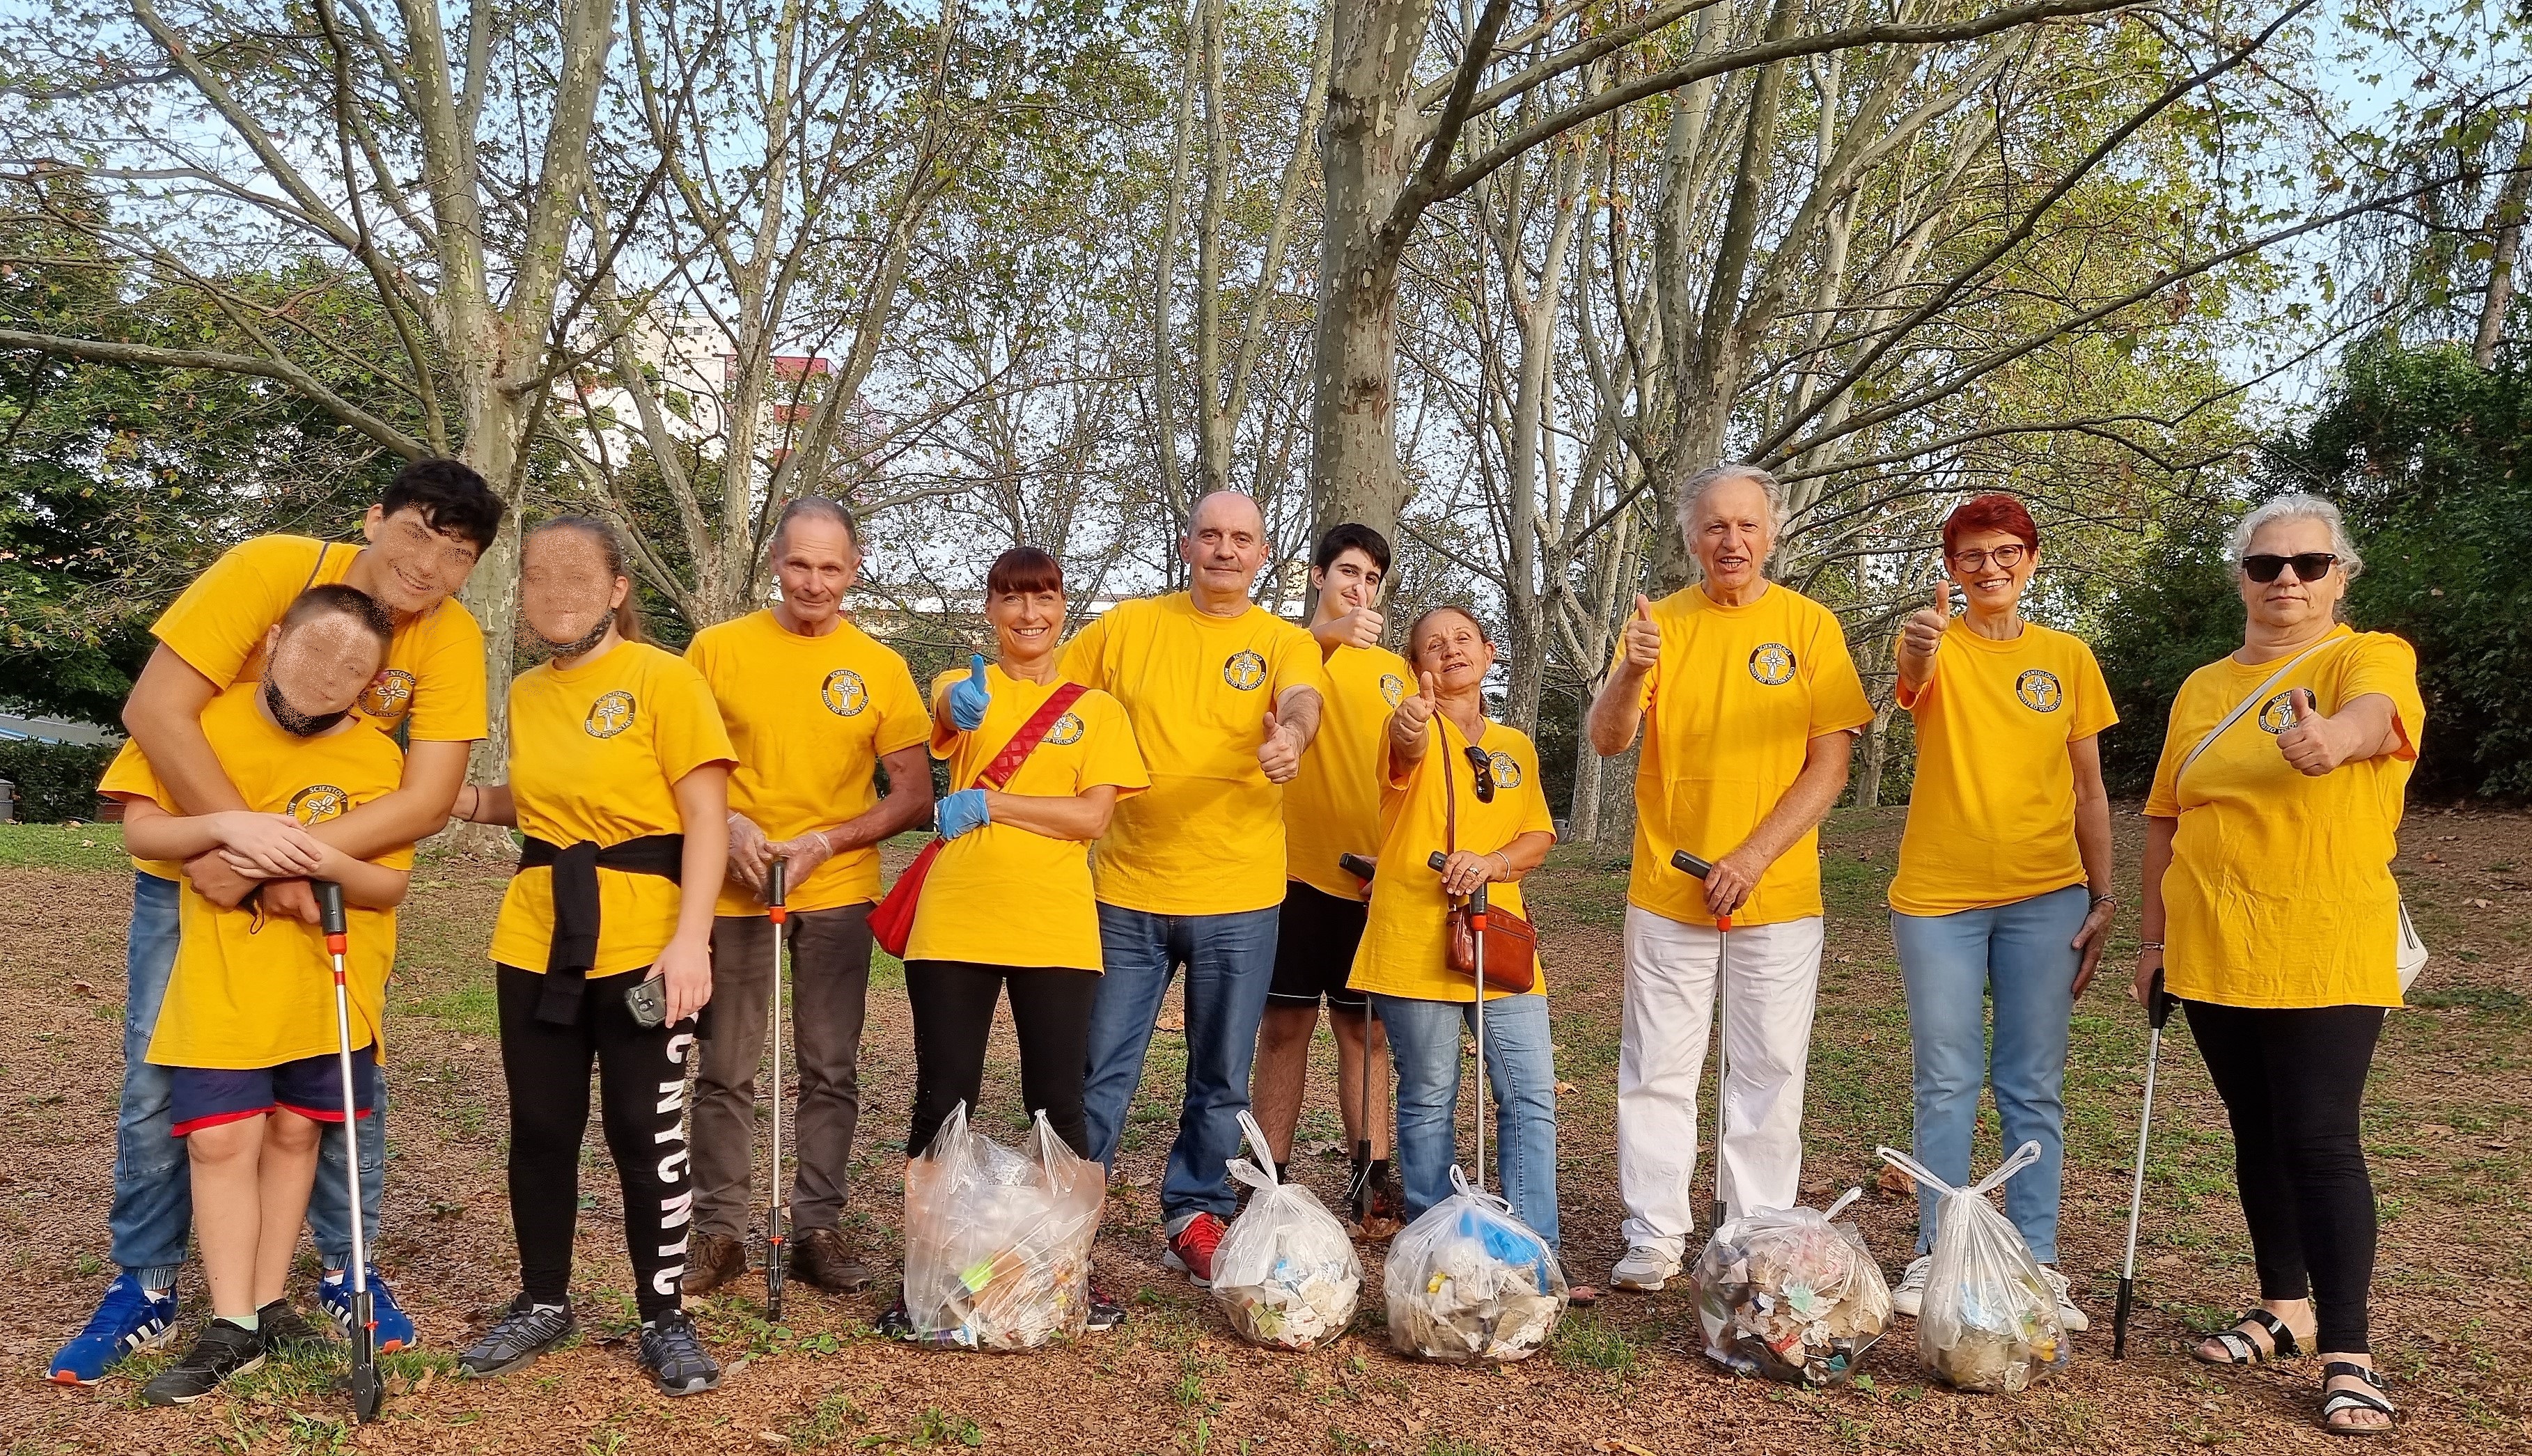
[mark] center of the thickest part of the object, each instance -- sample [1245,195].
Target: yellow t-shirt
[810,718]
[2279,891]
[1730,710]
[1002,894]
[596,752]
[252,990]
[1992,819]
[433,680]
[1403,950]
[1332,807]
[1208,838]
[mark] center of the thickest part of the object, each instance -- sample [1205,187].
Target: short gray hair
[824,508]
[1694,489]
[2298,508]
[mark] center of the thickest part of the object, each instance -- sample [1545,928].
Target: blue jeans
[1425,1040]
[2019,956]
[153,1191]
[1229,962]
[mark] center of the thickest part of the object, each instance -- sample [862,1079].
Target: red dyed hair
[1024,570]
[1992,513]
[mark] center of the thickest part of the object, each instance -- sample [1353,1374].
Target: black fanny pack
[573,951]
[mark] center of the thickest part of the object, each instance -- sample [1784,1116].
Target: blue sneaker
[128,1318]
[394,1326]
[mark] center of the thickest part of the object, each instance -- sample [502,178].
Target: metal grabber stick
[1358,1186]
[1476,944]
[775,911]
[366,1386]
[2158,1009]
[1688,863]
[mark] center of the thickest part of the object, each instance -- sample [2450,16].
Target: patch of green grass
[826,1422]
[2493,1001]
[937,1428]
[97,846]
[1589,1345]
[1443,1445]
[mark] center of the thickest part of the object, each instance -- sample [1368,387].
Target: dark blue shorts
[311,1086]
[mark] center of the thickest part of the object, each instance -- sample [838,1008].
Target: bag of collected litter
[998,1242]
[1790,1295]
[1470,1281]
[1285,1272]
[1990,1319]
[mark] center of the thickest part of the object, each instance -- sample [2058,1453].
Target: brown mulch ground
[2448,1120]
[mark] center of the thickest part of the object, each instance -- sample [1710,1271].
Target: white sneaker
[1910,1296]
[2068,1315]
[1644,1269]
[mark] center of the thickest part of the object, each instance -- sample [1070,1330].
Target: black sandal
[2337,1402]
[2243,1350]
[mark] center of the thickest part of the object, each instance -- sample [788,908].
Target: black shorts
[1314,944]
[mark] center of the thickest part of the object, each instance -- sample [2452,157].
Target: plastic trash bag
[1990,1319]
[1790,1295]
[1469,1281]
[998,1242]
[1285,1272]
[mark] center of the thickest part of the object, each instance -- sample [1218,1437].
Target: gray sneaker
[1645,1270]
[527,1331]
[1910,1295]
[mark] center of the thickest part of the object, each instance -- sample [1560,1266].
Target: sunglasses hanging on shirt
[2307,566]
[1481,769]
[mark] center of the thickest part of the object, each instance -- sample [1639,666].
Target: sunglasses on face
[2005,557]
[2307,566]
[1481,769]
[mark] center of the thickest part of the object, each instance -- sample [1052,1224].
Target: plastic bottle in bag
[1790,1295]
[1285,1272]
[997,1241]
[1990,1319]
[1470,1281]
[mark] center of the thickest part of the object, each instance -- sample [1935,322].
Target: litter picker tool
[366,1386]
[775,911]
[2158,1009]
[1477,945]
[1358,1184]
[1689,864]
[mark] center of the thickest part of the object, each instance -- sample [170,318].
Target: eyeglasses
[2005,557]
[1481,769]
[2307,566]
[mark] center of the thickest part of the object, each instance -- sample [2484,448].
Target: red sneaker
[1191,1249]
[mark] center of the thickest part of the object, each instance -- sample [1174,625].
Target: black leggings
[642,1100]
[2292,1081]
[954,1018]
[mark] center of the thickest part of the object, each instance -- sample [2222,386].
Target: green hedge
[55,781]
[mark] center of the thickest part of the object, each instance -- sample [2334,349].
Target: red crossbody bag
[892,921]
[1512,942]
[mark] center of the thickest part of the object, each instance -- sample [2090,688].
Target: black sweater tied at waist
[574,950]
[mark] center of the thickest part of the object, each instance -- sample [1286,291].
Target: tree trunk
[1876,755]
[2509,219]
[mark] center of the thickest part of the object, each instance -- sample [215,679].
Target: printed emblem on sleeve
[1507,771]
[844,694]
[1772,662]
[1245,671]
[610,714]
[2277,714]
[1066,730]
[388,694]
[1393,690]
[2039,691]
[317,803]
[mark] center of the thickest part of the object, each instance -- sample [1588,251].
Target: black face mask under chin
[584,643]
[295,723]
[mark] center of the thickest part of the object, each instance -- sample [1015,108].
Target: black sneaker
[283,1329]
[675,1357]
[527,1331]
[1105,1314]
[898,1324]
[222,1350]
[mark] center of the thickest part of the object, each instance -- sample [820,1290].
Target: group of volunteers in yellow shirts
[1192,786]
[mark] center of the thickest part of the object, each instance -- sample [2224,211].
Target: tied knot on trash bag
[1470,1281]
[998,1240]
[1285,1272]
[1990,1319]
[1790,1295]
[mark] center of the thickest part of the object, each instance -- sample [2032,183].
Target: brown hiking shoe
[712,1261]
[824,1258]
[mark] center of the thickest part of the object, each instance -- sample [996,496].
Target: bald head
[1225,546]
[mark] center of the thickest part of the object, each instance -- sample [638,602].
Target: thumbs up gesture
[1923,637]
[1279,754]
[2312,742]
[1415,711]
[1642,638]
[969,699]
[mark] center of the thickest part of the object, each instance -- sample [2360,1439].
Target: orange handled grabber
[779,914]
[1477,945]
[366,1386]
[2158,1009]
[1688,863]
[1359,1183]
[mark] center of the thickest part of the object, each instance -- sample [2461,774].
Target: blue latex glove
[969,699]
[961,811]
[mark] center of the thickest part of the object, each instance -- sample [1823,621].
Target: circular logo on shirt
[1507,772]
[2277,714]
[1245,671]
[317,803]
[1066,730]
[843,692]
[1772,662]
[610,714]
[2039,690]
[388,694]
[1393,690]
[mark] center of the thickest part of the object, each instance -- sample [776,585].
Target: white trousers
[1771,983]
